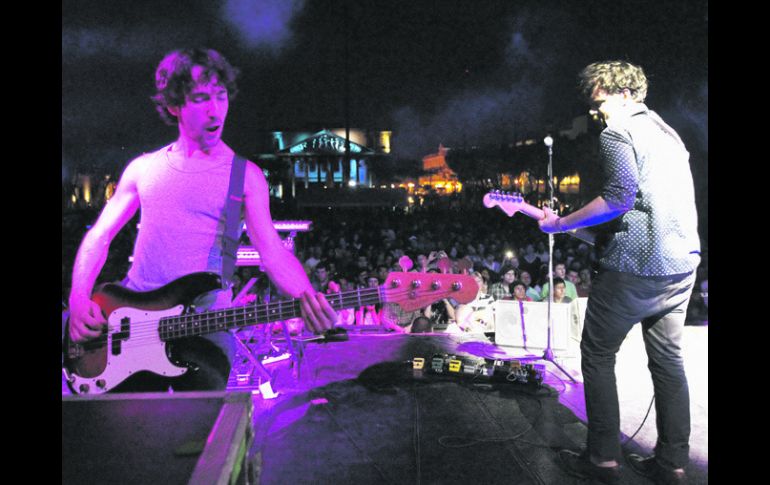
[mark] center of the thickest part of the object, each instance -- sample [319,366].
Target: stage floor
[351,412]
[354,411]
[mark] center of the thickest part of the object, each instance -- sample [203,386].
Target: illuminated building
[439,177]
[308,159]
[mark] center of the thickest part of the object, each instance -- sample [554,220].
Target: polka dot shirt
[647,171]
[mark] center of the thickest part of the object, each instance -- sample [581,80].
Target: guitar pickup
[118,337]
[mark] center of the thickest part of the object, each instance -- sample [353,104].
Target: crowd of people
[351,248]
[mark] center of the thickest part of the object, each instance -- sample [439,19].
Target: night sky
[438,71]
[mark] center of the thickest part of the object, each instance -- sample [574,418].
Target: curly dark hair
[173,77]
[521,283]
[613,77]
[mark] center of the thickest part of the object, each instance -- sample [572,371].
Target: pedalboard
[514,371]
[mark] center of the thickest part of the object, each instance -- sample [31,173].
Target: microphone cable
[643,421]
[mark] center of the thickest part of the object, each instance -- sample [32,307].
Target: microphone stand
[548,352]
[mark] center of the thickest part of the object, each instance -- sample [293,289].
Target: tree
[390,169]
[480,166]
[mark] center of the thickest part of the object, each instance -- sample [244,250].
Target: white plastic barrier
[525,324]
[578,316]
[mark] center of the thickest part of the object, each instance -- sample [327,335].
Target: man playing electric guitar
[647,261]
[182,190]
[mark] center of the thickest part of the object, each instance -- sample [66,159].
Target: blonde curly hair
[614,77]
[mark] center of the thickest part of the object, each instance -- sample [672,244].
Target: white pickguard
[142,351]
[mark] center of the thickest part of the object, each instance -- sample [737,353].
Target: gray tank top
[182,219]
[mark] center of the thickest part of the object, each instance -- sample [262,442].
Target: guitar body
[131,342]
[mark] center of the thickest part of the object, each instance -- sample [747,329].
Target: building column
[293,179]
[345,171]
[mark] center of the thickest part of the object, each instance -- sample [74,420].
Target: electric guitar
[513,202]
[141,324]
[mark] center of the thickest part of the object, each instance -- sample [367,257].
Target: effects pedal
[511,371]
[516,371]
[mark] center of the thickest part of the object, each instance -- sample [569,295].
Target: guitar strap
[232,235]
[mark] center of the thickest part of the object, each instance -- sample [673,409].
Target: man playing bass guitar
[182,190]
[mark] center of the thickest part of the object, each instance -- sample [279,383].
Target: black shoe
[580,466]
[651,468]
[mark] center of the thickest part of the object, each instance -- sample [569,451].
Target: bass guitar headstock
[412,291]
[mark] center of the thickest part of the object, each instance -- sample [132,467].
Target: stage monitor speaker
[139,438]
[525,324]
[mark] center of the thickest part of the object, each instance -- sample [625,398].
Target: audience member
[520,291]
[502,289]
[559,292]
[532,293]
[315,257]
[421,325]
[491,263]
[321,276]
[440,313]
[369,314]
[573,276]
[529,261]
[584,287]
[559,271]
[476,316]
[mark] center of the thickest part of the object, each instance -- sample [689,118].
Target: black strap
[231,239]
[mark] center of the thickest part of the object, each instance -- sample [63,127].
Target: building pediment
[324,143]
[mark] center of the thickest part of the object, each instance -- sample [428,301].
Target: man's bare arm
[283,268]
[86,319]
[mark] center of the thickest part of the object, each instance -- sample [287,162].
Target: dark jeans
[617,302]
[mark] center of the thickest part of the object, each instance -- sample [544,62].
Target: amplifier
[138,438]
